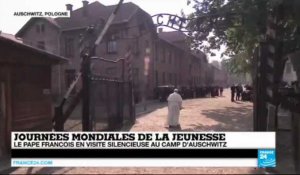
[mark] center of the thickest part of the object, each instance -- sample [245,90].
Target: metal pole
[86,72]
[86,94]
[108,23]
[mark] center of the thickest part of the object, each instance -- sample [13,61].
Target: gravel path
[204,114]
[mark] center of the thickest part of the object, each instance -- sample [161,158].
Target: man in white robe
[174,107]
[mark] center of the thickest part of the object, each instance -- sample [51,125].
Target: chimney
[70,8]
[84,7]
[160,30]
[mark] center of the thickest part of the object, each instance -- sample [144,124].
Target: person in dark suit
[233,90]
[221,91]
[239,91]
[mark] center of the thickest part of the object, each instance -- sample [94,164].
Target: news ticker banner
[143,149]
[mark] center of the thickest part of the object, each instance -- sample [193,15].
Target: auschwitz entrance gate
[107,103]
[110,102]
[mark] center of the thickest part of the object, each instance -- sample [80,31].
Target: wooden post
[120,103]
[58,119]
[108,107]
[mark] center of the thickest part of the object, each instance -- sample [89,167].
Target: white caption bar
[229,140]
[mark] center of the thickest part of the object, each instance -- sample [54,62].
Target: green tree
[240,25]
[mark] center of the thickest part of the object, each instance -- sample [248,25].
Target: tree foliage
[239,25]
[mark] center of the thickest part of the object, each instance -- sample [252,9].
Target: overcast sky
[11,24]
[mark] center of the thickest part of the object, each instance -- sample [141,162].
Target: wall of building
[50,36]
[170,63]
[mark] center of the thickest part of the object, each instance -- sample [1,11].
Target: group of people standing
[236,92]
[216,91]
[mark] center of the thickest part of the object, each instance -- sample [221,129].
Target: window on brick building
[37,29]
[156,78]
[136,49]
[69,47]
[123,33]
[142,28]
[135,72]
[166,55]
[42,28]
[170,57]
[156,57]
[175,59]
[112,45]
[163,55]
[170,78]
[41,45]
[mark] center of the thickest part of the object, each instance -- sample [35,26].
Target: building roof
[173,36]
[166,37]
[31,21]
[200,55]
[11,37]
[214,67]
[6,40]
[96,12]
[177,36]
[77,19]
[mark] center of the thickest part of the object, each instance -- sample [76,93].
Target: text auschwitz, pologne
[42,14]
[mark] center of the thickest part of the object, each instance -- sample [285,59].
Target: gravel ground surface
[205,114]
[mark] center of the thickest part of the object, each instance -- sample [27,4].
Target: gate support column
[86,119]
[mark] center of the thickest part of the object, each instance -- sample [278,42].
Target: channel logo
[266,158]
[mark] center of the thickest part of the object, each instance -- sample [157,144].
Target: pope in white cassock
[174,107]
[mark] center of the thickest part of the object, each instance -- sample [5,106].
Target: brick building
[188,68]
[171,61]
